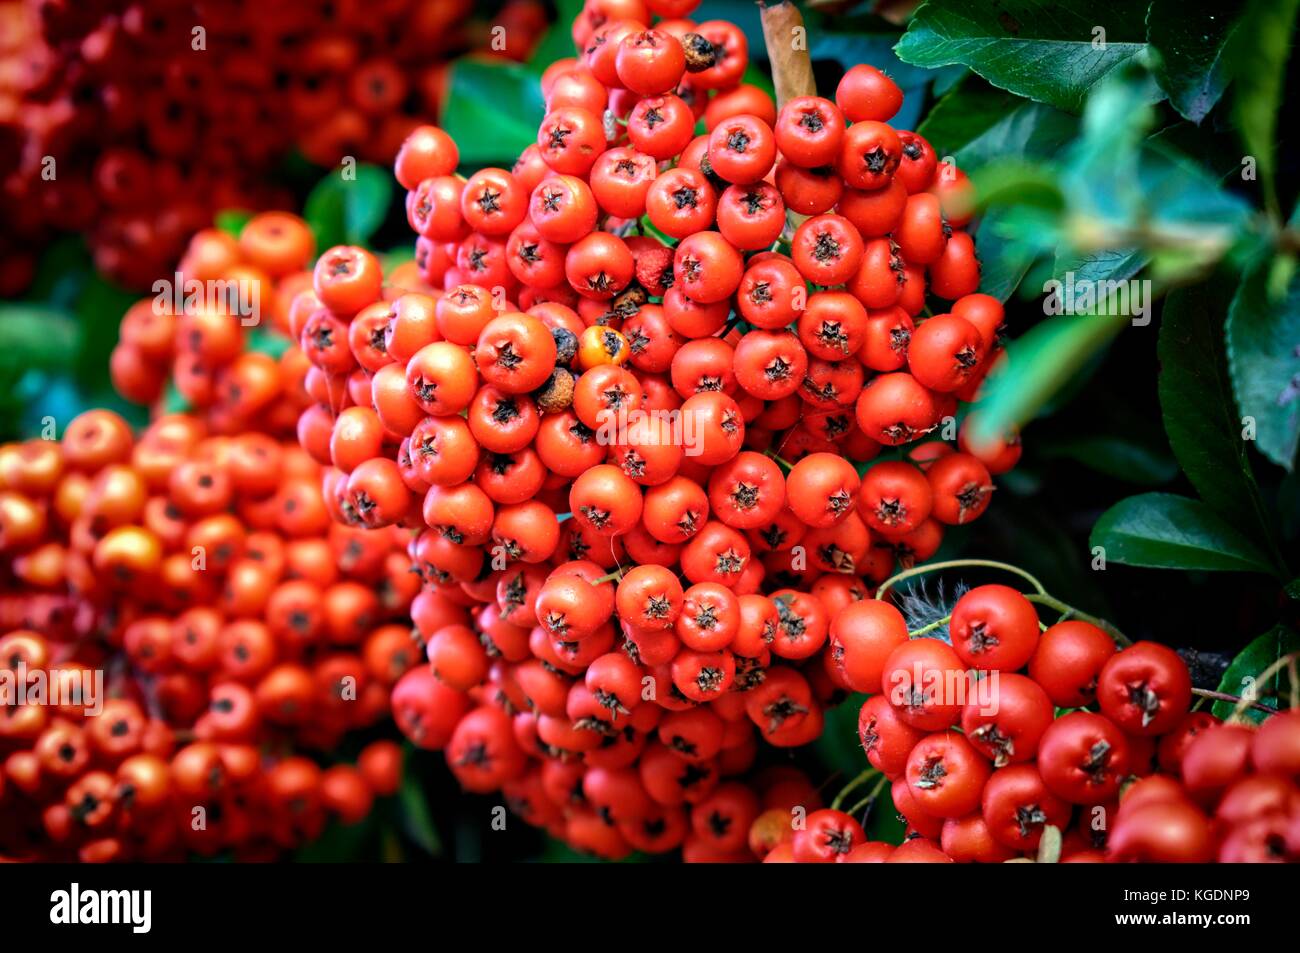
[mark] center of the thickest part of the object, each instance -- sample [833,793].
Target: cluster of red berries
[982,764]
[195,333]
[196,572]
[156,114]
[624,594]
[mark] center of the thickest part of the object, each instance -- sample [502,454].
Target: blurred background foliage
[1111,140]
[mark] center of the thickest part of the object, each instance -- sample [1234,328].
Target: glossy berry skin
[1083,758]
[1068,661]
[809,130]
[1006,724]
[1017,806]
[994,627]
[946,775]
[1145,689]
[827,837]
[863,634]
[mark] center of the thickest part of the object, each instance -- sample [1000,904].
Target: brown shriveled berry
[557,393]
[700,53]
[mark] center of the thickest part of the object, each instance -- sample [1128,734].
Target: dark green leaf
[493,110]
[1260,49]
[1162,531]
[1027,131]
[416,819]
[1198,408]
[1004,260]
[1115,456]
[1048,51]
[339,842]
[1039,364]
[1264,360]
[62,272]
[966,111]
[1242,676]
[100,307]
[1192,38]
[348,210]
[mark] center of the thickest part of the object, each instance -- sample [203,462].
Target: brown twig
[787,50]
[1225,697]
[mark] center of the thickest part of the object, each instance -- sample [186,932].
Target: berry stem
[1248,701]
[857,782]
[927,629]
[1040,594]
[1068,611]
[866,801]
[780,460]
[957,564]
[616,574]
[1225,697]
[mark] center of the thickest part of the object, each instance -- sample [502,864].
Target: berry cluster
[981,769]
[196,338]
[191,585]
[156,113]
[620,415]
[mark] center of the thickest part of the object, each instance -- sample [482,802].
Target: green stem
[857,782]
[926,629]
[875,793]
[1039,595]
[957,564]
[1069,611]
[785,463]
[616,574]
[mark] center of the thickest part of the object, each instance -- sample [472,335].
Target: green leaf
[1260,50]
[1192,37]
[416,819]
[1264,359]
[37,336]
[1028,131]
[1004,259]
[1242,676]
[493,109]
[232,220]
[62,272]
[99,310]
[1046,50]
[1162,531]
[1116,456]
[1036,366]
[558,41]
[965,112]
[1198,408]
[347,211]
